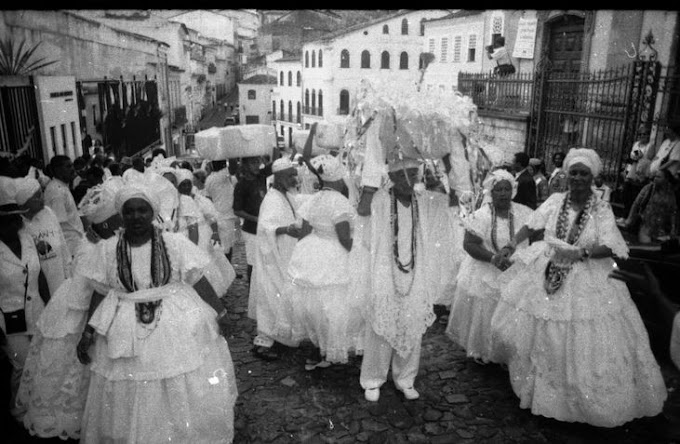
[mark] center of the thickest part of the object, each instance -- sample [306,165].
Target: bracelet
[222,314]
[585,253]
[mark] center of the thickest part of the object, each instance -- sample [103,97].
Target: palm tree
[18,62]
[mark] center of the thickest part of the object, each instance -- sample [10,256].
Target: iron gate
[603,110]
[19,119]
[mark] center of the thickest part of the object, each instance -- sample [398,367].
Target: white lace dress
[54,383]
[320,270]
[477,290]
[581,354]
[171,380]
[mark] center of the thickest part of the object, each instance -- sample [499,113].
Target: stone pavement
[461,401]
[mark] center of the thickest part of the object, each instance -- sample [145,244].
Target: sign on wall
[526,38]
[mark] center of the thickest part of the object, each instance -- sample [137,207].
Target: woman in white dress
[43,226]
[197,219]
[161,371]
[477,291]
[577,349]
[54,383]
[326,310]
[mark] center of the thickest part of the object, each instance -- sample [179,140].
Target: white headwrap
[282,164]
[329,167]
[499,175]
[183,174]
[26,187]
[587,157]
[99,203]
[138,191]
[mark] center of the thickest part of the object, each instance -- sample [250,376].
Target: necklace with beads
[394,221]
[494,226]
[556,274]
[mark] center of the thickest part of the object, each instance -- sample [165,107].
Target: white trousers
[379,356]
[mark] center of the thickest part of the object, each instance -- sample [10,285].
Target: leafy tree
[16,62]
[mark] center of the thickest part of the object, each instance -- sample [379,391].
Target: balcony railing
[512,93]
[286,117]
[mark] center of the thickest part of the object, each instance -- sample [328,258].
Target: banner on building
[526,38]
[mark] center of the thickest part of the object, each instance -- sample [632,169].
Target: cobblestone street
[461,401]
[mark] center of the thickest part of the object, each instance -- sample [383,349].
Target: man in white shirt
[59,198]
[219,187]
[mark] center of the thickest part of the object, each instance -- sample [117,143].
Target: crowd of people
[114,275]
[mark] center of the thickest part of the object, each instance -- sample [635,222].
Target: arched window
[299,117]
[386,29]
[290,78]
[422,26]
[273,109]
[282,117]
[320,103]
[313,101]
[299,79]
[320,58]
[365,59]
[344,59]
[403,60]
[306,101]
[306,59]
[404,27]
[281,79]
[344,102]
[290,111]
[313,59]
[385,60]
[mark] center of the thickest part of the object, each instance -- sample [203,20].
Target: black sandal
[265,353]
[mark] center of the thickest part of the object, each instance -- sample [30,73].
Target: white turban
[137,191]
[282,164]
[26,187]
[587,157]
[183,174]
[499,175]
[329,167]
[99,203]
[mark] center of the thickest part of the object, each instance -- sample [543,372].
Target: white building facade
[254,98]
[386,50]
[286,105]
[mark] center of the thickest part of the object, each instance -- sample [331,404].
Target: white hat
[99,203]
[587,157]
[329,167]
[137,191]
[500,175]
[282,164]
[8,196]
[26,187]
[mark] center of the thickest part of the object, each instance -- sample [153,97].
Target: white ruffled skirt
[54,383]
[474,303]
[581,354]
[328,306]
[177,385]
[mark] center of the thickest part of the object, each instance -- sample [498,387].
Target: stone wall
[505,132]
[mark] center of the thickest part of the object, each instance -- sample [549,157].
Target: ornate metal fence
[19,118]
[512,93]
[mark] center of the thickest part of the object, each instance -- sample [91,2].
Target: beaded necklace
[494,226]
[394,221]
[555,274]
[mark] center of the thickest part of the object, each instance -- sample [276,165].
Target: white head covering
[282,164]
[587,157]
[329,167]
[26,187]
[8,196]
[99,203]
[139,191]
[499,175]
[183,174]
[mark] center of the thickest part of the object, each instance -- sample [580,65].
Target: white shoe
[411,393]
[372,395]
